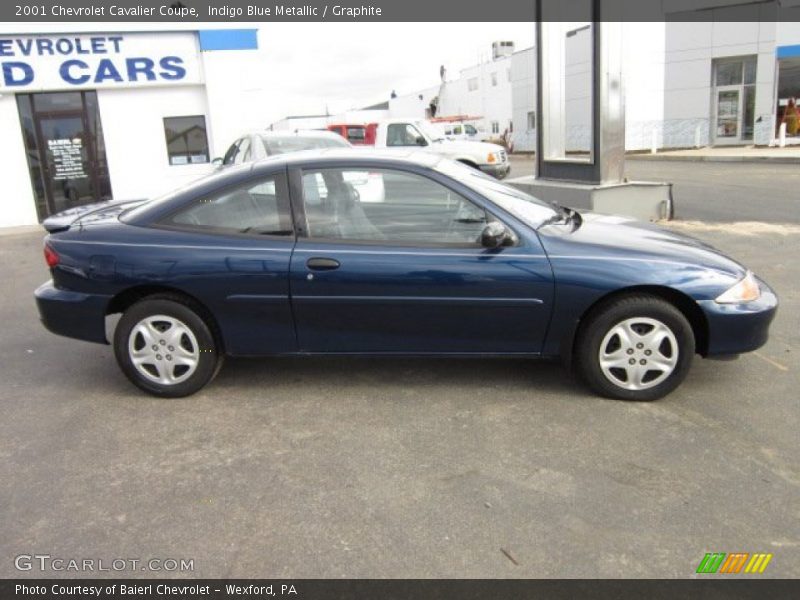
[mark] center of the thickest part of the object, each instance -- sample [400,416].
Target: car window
[388,206]
[258,208]
[470,129]
[243,155]
[402,134]
[295,143]
[457,130]
[230,155]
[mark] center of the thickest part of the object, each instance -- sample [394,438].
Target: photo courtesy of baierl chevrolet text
[414,300]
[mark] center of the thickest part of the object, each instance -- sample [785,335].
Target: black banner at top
[199,11]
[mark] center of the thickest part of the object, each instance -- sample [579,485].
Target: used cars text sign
[39,63]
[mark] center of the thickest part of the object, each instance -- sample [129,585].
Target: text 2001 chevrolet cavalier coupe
[283,257]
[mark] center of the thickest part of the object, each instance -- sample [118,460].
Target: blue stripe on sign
[228,39]
[788,51]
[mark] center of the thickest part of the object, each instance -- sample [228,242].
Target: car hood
[614,236]
[88,213]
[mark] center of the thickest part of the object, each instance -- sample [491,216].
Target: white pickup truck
[398,133]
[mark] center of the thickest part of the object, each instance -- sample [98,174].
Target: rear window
[282,145]
[356,134]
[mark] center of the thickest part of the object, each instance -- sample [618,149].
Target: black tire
[204,347]
[635,314]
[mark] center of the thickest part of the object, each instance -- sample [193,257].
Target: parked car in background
[260,144]
[282,257]
[358,135]
[459,131]
[419,134]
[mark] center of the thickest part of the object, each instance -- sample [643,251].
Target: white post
[697,136]
[654,141]
[782,135]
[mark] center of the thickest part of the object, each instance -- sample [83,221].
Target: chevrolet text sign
[39,63]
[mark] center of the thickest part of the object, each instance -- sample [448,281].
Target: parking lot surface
[398,468]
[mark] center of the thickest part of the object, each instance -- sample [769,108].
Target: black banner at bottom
[397,589]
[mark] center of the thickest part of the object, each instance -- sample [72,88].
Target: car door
[407,274]
[231,248]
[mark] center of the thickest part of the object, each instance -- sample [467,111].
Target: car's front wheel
[635,347]
[164,347]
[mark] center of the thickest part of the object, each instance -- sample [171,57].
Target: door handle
[322,264]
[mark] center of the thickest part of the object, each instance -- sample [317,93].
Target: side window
[402,134]
[260,208]
[457,129]
[470,129]
[230,155]
[244,154]
[388,206]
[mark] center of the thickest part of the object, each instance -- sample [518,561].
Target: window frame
[205,134]
[282,193]
[296,174]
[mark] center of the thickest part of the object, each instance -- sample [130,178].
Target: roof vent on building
[502,49]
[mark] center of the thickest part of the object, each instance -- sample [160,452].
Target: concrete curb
[786,160]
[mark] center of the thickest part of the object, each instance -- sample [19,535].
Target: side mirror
[421,141]
[217,162]
[495,234]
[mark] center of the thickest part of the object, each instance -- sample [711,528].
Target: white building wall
[413,106]
[523,99]
[136,148]
[19,207]
[689,54]
[491,102]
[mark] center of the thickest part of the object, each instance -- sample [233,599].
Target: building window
[531,120]
[495,127]
[494,79]
[187,142]
[472,84]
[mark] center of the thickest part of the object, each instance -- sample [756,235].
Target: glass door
[729,115]
[66,150]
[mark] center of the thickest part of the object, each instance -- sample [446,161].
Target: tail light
[51,256]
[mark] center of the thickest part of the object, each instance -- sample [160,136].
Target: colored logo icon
[734,563]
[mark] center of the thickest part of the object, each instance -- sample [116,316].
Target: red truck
[359,135]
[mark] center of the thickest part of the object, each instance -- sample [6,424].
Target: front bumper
[498,170]
[72,314]
[737,328]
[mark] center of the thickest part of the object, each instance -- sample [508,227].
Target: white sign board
[65,62]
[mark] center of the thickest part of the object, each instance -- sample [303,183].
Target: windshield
[429,130]
[295,143]
[525,207]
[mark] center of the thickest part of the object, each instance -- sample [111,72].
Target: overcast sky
[351,65]
[300,68]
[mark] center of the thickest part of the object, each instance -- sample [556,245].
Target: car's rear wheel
[635,347]
[166,348]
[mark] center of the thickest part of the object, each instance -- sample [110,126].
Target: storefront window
[788,97]
[187,142]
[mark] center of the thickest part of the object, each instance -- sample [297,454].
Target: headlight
[745,290]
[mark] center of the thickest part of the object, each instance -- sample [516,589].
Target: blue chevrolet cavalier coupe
[350,252]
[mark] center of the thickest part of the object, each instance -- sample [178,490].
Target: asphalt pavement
[406,468]
[723,192]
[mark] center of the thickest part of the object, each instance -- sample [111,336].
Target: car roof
[331,155]
[300,133]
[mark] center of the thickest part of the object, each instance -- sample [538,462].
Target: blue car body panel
[525,299]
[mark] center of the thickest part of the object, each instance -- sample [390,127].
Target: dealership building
[126,114]
[122,114]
